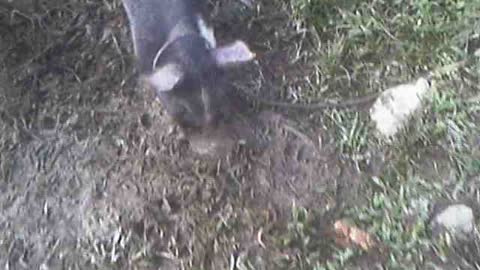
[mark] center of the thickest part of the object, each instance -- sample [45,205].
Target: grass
[365,46]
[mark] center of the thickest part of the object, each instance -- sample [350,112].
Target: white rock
[458,219]
[395,106]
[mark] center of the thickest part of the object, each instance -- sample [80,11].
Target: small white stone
[458,219]
[477,53]
[396,105]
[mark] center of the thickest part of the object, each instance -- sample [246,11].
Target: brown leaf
[348,235]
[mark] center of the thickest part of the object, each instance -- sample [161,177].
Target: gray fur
[177,55]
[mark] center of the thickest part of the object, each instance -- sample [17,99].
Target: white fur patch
[206,32]
[234,53]
[165,78]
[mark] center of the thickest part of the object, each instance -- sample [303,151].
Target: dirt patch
[95,175]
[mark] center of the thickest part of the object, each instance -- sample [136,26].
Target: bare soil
[94,175]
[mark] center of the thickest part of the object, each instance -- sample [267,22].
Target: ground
[95,176]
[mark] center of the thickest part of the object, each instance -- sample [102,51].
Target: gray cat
[178,56]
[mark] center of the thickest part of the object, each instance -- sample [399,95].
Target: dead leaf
[348,235]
